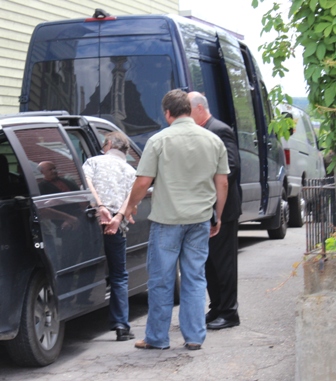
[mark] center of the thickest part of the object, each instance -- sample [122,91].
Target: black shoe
[221,323]
[124,334]
[210,316]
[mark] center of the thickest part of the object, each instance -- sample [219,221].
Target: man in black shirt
[221,266]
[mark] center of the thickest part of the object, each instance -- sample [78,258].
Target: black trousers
[222,271]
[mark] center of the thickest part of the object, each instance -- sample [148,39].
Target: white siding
[19,17]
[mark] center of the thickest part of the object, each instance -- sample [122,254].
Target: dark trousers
[222,271]
[115,250]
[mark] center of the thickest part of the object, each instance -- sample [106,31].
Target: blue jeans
[115,250]
[167,245]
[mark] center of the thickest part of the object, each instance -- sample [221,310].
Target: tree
[312,25]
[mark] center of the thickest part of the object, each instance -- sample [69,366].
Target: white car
[304,160]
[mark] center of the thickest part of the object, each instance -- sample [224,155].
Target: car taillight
[287,156]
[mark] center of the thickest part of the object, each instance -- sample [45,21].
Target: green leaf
[320,27]
[310,49]
[327,18]
[255,3]
[268,26]
[328,30]
[295,7]
[321,51]
[327,4]
[311,19]
[309,72]
[333,10]
[304,26]
[313,4]
[329,96]
[303,12]
[316,75]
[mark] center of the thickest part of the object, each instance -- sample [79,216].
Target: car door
[66,233]
[138,234]
[87,137]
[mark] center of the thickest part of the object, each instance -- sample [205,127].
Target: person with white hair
[110,179]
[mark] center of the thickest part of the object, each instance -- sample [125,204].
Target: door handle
[90,212]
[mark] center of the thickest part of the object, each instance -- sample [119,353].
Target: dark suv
[52,263]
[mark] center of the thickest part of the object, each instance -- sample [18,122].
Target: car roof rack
[35,113]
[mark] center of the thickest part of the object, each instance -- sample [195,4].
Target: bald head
[48,170]
[199,107]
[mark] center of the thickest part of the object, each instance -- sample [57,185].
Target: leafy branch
[310,24]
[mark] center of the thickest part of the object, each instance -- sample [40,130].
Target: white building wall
[19,17]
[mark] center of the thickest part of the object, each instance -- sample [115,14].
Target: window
[126,90]
[80,145]
[132,157]
[12,182]
[47,145]
[311,137]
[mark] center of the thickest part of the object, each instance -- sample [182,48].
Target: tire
[281,231]
[296,211]
[177,286]
[40,337]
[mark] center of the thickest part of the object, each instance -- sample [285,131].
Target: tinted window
[64,85]
[125,90]
[48,145]
[311,137]
[132,89]
[81,147]
[266,104]
[243,106]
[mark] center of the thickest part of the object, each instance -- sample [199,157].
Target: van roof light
[100,14]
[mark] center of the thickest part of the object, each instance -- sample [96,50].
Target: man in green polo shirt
[189,167]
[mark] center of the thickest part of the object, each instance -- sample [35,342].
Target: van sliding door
[226,87]
[271,154]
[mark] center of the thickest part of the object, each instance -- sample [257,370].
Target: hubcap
[45,317]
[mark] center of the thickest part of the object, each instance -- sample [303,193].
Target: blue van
[119,68]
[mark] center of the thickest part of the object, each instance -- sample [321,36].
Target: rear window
[127,90]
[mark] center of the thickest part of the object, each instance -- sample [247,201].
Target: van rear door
[117,69]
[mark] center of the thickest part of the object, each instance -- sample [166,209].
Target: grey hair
[197,99]
[118,141]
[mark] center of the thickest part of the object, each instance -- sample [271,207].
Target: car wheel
[297,208]
[177,286]
[40,336]
[281,231]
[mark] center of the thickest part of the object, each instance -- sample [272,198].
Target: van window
[127,90]
[47,145]
[243,106]
[131,91]
[196,75]
[311,137]
[64,85]
[266,104]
